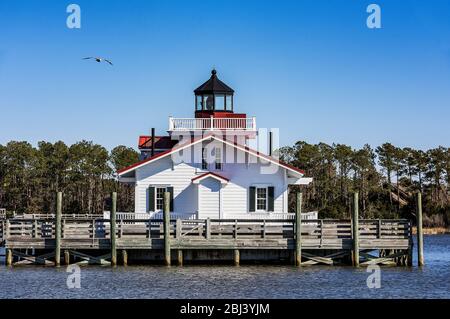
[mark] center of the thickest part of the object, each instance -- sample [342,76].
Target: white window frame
[156,196]
[265,210]
[218,158]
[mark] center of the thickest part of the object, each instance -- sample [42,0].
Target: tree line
[84,172]
[387,179]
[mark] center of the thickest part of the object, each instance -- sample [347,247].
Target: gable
[128,171]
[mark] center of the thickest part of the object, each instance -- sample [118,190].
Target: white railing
[153,215]
[193,124]
[184,216]
[288,216]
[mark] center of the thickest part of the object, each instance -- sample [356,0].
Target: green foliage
[339,170]
[84,172]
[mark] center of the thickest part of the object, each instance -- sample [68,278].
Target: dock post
[298,231]
[419,231]
[180,257]
[112,221]
[58,229]
[67,257]
[178,230]
[9,257]
[237,257]
[166,222]
[355,229]
[125,257]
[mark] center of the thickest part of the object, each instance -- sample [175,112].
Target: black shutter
[271,198]
[151,199]
[251,198]
[170,190]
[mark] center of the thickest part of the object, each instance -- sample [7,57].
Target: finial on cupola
[213,72]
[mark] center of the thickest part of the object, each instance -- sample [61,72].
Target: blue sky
[311,68]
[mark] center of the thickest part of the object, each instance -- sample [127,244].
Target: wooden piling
[67,257]
[9,257]
[355,229]
[237,257]
[420,258]
[58,229]
[124,257]
[298,231]
[166,222]
[113,229]
[208,228]
[180,257]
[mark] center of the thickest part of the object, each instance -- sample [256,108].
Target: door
[209,198]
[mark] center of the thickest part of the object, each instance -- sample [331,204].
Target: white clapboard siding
[163,173]
[209,206]
[233,196]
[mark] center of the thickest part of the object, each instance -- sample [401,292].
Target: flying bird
[98,59]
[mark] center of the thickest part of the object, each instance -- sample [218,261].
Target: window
[160,198]
[156,198]
[208,102]
[204,162]
[261,198]
[229,103]
[198,102]
[218,154]
[219,102]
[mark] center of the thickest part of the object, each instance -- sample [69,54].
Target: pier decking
[90,239]
[18,235]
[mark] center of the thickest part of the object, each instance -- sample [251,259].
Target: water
[432,281]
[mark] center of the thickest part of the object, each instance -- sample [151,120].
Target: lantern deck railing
[211,123]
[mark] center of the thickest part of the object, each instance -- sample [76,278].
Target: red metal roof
[161,142]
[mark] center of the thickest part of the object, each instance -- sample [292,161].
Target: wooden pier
[91,241]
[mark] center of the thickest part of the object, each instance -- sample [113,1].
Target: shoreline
[432,230]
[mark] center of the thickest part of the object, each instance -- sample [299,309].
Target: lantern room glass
[214,102]
[208,102]
[198,102]
[219,102]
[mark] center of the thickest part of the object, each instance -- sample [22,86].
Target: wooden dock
[90,240]
[20,235]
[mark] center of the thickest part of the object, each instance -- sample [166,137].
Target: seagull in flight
[98,59]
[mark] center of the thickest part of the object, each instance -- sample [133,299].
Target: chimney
[153,142]
[270,143]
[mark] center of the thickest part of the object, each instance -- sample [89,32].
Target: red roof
[194,140]
[161,142]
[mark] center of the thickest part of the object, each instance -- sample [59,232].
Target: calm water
[433,281]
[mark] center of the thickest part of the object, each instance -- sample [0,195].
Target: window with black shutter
[156,198]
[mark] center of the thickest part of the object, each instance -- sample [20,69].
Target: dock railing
[318,233]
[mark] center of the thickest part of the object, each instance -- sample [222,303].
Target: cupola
[213,96]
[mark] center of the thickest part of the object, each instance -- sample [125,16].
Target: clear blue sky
[311,68]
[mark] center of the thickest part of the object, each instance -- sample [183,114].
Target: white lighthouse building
[206,164]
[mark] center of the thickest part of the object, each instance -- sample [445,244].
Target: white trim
[266,210]
[299,181]
[209,175]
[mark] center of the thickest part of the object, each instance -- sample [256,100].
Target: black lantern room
[214,96]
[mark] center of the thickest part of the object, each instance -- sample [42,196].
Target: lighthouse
[206,165]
